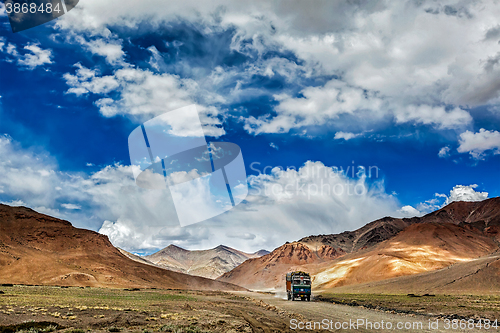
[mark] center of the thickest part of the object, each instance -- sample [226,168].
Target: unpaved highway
[348,316]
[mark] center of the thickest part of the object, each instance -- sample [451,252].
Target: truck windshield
[303,282]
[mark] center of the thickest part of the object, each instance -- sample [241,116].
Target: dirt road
[358,319]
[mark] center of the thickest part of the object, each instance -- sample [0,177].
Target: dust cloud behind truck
[298,285]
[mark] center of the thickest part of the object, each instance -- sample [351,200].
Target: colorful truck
[298,285]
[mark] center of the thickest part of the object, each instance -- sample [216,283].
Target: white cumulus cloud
[465,193]
[438,116]
[141,94]
[425,62]
[32,57]
[111,49]
[282,206]
[317,106]
[346,135]
[35,57]
[409,211]
[444,152]
[477,144]
[71,206]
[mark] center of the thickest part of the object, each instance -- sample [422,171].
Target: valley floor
[78,310]
[441,306]
[337,313]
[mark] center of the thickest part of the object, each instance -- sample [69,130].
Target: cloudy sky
[345,112]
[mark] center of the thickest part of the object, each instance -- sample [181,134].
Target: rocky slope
[477,276]
[37,249]
[380,250]
[419,248]
[364,237]
[268,271]
[210,263]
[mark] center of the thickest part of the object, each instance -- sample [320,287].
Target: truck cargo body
[298,285]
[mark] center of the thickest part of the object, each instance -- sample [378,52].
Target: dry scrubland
[453,251]
[442,306]
[39,309]
[78,310]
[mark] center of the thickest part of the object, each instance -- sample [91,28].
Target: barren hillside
[210,263]
[419,248]
[37,249]
[268,271]
[477,276]
[383,249]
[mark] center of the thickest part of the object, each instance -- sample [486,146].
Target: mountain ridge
[43,250]
[210,263]
[266,272]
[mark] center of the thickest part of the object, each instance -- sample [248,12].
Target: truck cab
[298,285]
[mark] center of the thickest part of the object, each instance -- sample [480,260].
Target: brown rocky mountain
[477,276]
[37,249]
[207,263]
[364,237]
[483,215]
[419,248]
[459,232]
[267,272]
[135,257]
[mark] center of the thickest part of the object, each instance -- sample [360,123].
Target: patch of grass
[76,330]
[181,329]
[483,306]
[31,327]
[29,330]
[172,329]
[50,328]
[154,306]
[194,329]
[55,314]
[46,296]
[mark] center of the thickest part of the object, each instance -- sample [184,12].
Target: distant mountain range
[452,250]
[460,234]
[210,263]
[37,249]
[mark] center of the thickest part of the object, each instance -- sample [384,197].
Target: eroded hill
[37,249]
[383,249]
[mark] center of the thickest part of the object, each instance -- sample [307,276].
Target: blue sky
[412,90]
